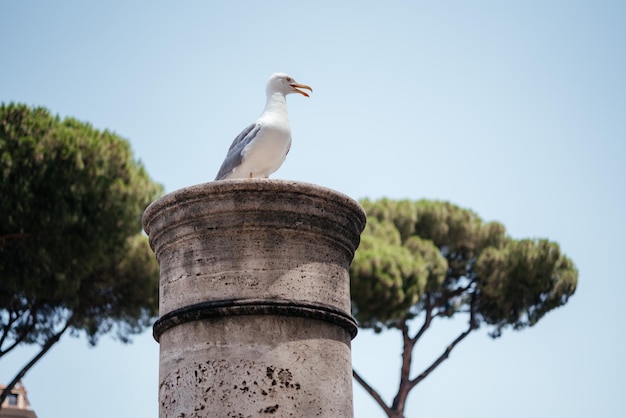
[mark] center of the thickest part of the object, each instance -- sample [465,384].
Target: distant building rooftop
[16,405]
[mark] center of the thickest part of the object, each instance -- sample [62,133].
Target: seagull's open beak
[296,86]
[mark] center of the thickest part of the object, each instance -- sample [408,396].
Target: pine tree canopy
[71,246]
[435,257]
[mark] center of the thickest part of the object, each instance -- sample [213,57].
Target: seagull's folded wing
[234,155]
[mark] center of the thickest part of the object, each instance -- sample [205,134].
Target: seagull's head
[285,84]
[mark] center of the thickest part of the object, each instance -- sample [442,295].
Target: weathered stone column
[254,299]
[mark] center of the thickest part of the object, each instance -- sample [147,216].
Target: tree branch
[406,384]
[407,357]
[450,294]
[429,317]
[373,393]
[407,351]
[44,349]
[19,338]
[446,353]
[440,359]
[7,327]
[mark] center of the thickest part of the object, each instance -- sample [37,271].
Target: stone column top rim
[222,187]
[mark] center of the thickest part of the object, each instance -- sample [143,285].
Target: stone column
[254,299]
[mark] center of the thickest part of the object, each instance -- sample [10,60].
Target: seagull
[261,148]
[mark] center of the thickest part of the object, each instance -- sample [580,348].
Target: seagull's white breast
[266,153]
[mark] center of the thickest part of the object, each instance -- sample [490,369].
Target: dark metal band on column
[216,309]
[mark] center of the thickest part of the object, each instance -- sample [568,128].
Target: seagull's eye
[289,79]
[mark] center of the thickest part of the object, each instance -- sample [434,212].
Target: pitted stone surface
[254,299]
[256,238]
[293,366]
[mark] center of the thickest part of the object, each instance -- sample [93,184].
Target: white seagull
[262,147]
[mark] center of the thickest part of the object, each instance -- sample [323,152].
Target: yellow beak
[301,86]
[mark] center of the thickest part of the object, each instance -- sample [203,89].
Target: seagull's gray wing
[233,157]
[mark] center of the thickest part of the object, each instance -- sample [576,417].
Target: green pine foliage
[435,257]
[71,246]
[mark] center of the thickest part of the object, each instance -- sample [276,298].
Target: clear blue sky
[516,110]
